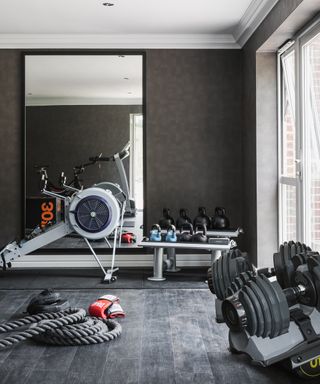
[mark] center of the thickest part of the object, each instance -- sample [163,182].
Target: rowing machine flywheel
[94,213]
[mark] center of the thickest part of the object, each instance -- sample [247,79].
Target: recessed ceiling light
[108,4]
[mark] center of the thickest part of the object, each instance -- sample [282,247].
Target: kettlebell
[155,233]
[171,236]
[202,218]
[166,220]
[220,220]
[186,232]
[183,218]
[200,234]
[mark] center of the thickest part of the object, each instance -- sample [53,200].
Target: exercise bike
[122,191]
[76,183]
[117,158]
[93,213]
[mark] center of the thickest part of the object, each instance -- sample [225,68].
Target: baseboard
[87,261]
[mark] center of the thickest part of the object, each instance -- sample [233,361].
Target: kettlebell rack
[218,242]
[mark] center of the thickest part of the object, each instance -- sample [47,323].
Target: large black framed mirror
[84,126]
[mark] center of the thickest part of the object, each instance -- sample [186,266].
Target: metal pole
[108,242]
[171,254]
[123,208]
[114,251]
[157,265]
[95,256]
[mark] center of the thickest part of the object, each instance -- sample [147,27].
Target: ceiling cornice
[252,18]
[47,101]
[133,41]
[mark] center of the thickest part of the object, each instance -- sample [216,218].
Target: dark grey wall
[194,133]
[194,125]
[65,136]
[10,146]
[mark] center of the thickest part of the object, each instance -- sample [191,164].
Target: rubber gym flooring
[169,334]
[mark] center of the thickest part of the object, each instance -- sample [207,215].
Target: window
[299,140]
[288,181]
[311,129]
[136,159]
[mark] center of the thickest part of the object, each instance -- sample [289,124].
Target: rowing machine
[93,213]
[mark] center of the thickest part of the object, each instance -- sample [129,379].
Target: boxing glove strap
[115,311]
[111,298]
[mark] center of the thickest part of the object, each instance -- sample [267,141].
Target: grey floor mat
[169,337]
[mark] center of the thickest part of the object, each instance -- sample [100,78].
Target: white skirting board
[87,261]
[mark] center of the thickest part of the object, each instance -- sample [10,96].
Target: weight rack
[218,242]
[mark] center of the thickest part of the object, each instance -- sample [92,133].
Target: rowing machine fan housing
[94,213]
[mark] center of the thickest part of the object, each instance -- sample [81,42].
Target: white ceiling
[126,16]
[129,23]
[91,79]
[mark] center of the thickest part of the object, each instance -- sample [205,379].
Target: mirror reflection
[84,128]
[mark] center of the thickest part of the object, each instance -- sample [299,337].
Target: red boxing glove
[128,238]
[100,307]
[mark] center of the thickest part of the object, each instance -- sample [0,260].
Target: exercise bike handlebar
[47,187]
[122,155]
[95,159]
[80,168]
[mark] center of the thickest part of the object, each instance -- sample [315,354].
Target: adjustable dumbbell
[302,258]
[225,270]
[283,261]
[261,306]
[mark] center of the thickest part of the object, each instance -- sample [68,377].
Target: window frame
[303,40]
[300,180]
[132,185]
[285,180]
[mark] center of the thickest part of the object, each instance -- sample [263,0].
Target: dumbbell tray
[232,232]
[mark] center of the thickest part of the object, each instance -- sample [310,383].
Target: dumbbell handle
[293,294]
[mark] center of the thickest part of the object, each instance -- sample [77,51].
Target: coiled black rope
[70,327]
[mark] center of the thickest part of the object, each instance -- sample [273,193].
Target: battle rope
[70,327]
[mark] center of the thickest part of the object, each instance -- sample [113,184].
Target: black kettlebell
[202,218]
[166,220]
[220,220]
[200,234]
[186,232]
[183,218]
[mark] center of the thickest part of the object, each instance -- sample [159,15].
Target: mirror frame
[77,52]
